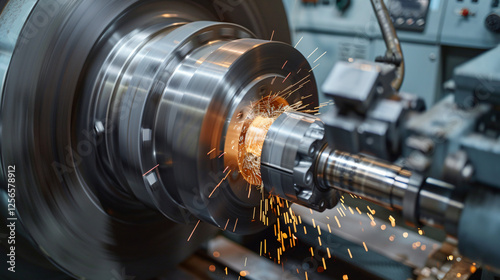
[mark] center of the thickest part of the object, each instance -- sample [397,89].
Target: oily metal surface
[55,204]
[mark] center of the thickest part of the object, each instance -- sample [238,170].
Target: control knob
[492,22]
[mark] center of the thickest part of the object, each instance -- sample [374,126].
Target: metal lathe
[169,139]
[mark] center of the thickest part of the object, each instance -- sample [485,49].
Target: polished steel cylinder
[369,178]
[429,202]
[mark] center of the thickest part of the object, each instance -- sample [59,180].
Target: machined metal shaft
[422,201]
[377,181]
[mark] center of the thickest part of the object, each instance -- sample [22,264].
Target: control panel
[409,14]
[436,35]
[471,23]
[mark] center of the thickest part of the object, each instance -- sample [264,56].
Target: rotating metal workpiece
[125,116]
[177,108]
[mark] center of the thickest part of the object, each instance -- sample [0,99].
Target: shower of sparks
[258,121]
[255,123]
[150,170]
[193,230]
[284,228]
[216,187]
[298,105]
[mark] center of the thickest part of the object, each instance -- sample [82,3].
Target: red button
[464,12]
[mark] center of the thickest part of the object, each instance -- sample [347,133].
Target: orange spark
[193,230]
[216,187]
[150,170]
[236,223]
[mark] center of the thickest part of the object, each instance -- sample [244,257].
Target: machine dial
[492,22]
